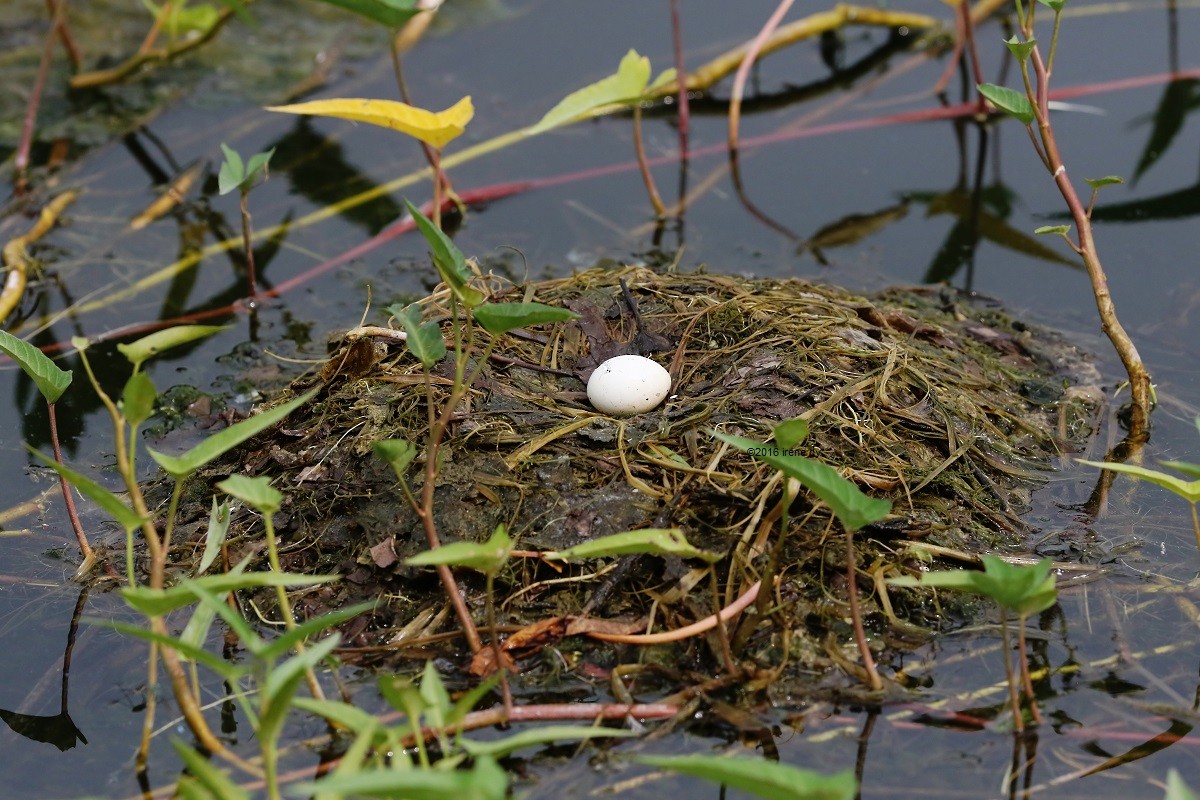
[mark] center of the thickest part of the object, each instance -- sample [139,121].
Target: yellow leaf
[433,128]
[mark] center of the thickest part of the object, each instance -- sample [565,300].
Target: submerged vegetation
[765,536]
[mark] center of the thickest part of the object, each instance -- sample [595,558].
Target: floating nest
[925,396]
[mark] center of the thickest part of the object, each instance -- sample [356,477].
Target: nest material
[947,407]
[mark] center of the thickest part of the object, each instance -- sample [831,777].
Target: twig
[696,628]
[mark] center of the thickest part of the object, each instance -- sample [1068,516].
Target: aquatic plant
[244,176]
[853,509]
[1023,590]
[769,779]
[1031,107]
[424,340]
[51,382]
[1188,490]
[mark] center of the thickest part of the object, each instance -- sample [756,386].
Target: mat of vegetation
[935,400]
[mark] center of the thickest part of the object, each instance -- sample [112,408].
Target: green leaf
[1107,180]
[550,734]
[195,633]
[402,695]
[424,338]
[156,602]
[1027,589]
[179,467]
[399,453]
[125,516]
[488,556]
[137,399]
[1054,5]
[498,318]
[626,85]
[790,433]
[1186,467]
[391,13]
[257,165]
[149,346]
[467,701]
[1188,490]
[255,492]
[1061,230]
[348,716]
[232,172]
[1012,103]
[853,509]
[1176,788]
[485,780]
[1019,49]
[49,379]
[649,541]
[226,669]
[768,779]
[194,589]
[449,260]
[218,785]
[281,681]
[218,526]
[286,641]
[434,695]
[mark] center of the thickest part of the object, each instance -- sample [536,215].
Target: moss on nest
[945,406]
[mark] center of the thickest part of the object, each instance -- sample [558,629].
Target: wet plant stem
[639,149]
[64,32]
[1196,524]
[1037,90]
[743,70]
[438,425]
[89,555]
[157,548]
[494,635]
[1018,719]
[1026,679]
[683,114]
[432,155]
[860,634]
[25,145]
[722,634]
[247,247]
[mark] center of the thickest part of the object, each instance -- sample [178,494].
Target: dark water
[1130,640]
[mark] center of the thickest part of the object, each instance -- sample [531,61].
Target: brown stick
[64,33]
[1135,368]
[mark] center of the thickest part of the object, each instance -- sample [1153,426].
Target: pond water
[1120,703]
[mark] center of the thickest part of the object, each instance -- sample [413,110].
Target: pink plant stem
[21,160]
[677,45]
[64,33]
[89,555]
[706,624]
[739,80]
[860,634]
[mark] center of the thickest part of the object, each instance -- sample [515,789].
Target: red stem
[89,555]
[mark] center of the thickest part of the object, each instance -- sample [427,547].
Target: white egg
[628,385]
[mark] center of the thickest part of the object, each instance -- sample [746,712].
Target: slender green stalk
[285,607]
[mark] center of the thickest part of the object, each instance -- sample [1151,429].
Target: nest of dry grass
[946,406]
